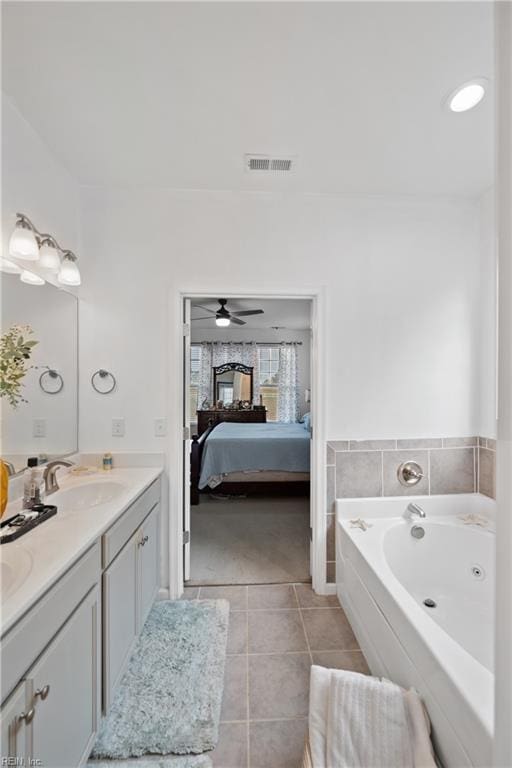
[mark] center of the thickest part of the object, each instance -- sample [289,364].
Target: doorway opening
[248,418]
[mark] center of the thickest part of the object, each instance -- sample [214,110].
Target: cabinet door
[120,584]
[149,569]
[64,688]
[15,718]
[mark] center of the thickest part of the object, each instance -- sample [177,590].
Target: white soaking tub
[445,651]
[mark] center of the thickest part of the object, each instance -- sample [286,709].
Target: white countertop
[45,553]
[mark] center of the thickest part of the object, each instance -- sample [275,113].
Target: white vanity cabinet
[130,584]
[61,661]
[54,654]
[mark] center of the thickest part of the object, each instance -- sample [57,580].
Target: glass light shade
[467,96]
[222,322]
[49,257]
[69,273]
[23,244]
[9,267]
[30,278]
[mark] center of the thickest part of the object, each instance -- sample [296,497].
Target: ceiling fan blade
[209,317]
[246,312]
[237,321]
[206,309]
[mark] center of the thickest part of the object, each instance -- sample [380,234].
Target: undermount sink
[86,495]
[15,566]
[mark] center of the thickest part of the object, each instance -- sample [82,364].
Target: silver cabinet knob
[143,541]
[27,716]
[42,692]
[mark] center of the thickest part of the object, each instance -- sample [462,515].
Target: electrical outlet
[39,428]
[160,427]
[117,427]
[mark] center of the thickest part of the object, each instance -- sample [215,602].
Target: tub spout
[414,509]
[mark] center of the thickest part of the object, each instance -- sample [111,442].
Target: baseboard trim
[163,594]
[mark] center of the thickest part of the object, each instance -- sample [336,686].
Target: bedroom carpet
[250,541]
[169,699]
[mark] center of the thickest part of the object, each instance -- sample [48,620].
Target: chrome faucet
[50,474]
[414,509]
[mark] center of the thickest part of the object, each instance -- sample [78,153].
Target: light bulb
[69,273]
[49,256]
[9,267]
[30,278]
[222,322]
[23,243]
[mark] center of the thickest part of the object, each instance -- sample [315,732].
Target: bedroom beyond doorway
[248,393]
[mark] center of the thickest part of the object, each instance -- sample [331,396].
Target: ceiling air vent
[269,164]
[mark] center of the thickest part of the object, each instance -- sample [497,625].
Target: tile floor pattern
[275,634]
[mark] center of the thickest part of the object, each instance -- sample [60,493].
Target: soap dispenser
[31,483]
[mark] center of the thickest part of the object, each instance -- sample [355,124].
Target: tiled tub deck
[359,468]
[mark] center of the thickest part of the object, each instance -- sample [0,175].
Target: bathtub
[445,651]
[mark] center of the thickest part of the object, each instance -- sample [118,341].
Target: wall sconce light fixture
[43,250]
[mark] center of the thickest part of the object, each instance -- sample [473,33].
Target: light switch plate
[39,428]
[117,427]
[160,427]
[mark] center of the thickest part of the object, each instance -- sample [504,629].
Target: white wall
[487,316]
[402,284]
[34,183]
[503,635]
[268,336]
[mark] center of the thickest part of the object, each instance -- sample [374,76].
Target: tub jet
[429,602]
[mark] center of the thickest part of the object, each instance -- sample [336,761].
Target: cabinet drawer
[117,536]
[30,636]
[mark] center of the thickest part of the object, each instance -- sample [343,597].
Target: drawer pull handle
[27,716]
[42,692]
[143,541]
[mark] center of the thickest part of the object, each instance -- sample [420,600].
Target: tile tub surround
[275,633]
[360,468]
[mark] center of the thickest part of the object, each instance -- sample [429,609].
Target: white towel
[357,721]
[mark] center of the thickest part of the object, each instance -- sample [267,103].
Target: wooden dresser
[207,419]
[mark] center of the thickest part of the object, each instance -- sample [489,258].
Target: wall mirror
[39,402]
[232,381]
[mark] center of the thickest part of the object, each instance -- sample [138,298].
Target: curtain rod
[250,343]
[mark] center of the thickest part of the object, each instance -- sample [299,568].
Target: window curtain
[288,381]
[215,353]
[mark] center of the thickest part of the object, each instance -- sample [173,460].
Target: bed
[231,458]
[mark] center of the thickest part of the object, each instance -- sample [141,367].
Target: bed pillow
[306,420]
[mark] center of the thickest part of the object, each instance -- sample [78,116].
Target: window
[269,379]
[195,370]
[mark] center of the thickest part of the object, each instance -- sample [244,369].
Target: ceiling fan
[223,317]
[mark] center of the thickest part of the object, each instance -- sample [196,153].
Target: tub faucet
[414,509]
[50,474]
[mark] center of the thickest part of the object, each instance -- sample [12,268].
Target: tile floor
[275,634]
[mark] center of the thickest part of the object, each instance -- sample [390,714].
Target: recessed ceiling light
[467,95]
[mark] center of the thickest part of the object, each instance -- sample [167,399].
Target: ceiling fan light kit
[223,317]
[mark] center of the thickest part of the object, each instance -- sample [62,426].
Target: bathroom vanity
[76,592]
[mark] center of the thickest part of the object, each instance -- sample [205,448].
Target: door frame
[317,296]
